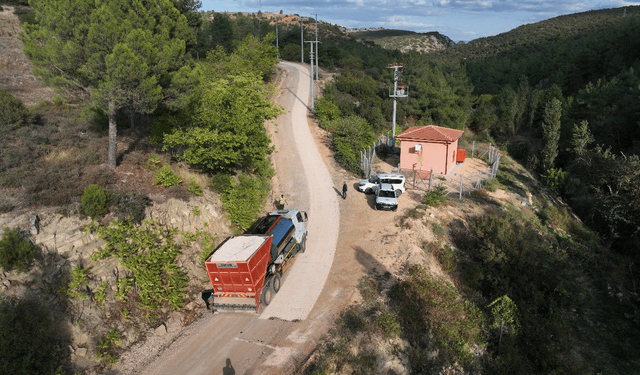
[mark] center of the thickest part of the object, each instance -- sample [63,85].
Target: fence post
[473,149]
[460,194]
[430,179]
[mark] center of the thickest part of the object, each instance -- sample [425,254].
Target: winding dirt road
[278,339]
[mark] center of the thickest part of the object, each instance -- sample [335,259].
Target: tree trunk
[113,131]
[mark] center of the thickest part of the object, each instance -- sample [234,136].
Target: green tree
[230,103]
[350,135]
[505,317]
[217,32]
[581,139]
[118,53]
[484,115]
[551,133]
[190,10]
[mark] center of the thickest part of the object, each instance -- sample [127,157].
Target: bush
[153,163]
[350,136]
[16,251]
[244,200]
[95,201]
[167,177]
[491,185]
[556,180]
[107,347]
[194,188]
[435,196]
[148,252]
[28,344]
[425,304]
[13,113]
[326,110]
[76,288]
[130,206]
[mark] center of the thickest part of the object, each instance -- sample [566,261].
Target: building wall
[436,156]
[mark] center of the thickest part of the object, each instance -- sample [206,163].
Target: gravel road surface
[272,342]
[303,283]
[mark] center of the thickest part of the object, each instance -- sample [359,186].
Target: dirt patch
[15,68]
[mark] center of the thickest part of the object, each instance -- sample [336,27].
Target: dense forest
[535,292]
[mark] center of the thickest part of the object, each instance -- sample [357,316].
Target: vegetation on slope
[55,156]
[545,94]
[529,286]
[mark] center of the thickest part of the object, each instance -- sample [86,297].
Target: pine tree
[551,133]
[120,54]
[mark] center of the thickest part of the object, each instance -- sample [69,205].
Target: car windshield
[374,179]
[387,194]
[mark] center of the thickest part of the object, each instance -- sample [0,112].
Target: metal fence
[460,184]
[368,155]
[426,180]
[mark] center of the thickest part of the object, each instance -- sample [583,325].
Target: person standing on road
[344,189]
[282,201]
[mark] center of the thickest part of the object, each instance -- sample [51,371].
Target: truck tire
[303,245]
[274,283]
[398,192]
[267,294]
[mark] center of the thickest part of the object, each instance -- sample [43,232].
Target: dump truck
[245,271]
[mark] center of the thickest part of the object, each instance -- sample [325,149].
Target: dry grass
[189,175]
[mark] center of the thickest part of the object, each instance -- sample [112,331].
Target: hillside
[405,41]
[505,280]
[558,29]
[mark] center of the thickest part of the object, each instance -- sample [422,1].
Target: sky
[460,20]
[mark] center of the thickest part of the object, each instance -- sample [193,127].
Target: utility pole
[398,92]
[317,66]
[311,75]
[301,41]
[277,47]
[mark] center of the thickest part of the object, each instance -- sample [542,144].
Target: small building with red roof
[431,147]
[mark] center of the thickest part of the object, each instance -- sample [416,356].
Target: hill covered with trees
[530,290]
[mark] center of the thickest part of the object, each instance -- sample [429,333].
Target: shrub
[193,187]
[491,185]
[101,293]
[425,304]
[153,162]
[244,200]
[148,252]
[221,182]
[95,201]
[130,206]
[16,251]
[435,196]
[167,177]
[13,113]
[326,110]
[77,285]
[350,135]
[555,179]
[28,343]
[107,347]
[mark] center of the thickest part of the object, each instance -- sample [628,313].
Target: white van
[394,179]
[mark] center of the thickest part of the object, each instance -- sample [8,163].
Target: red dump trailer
[245,270]
[237,270]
